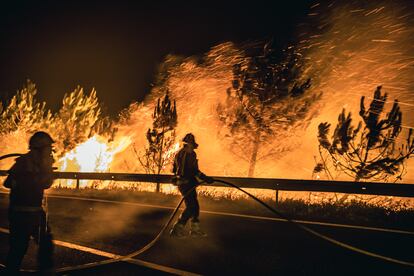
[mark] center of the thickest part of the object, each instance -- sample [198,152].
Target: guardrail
[277,184]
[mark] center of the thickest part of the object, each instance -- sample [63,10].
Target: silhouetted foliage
[268,99]
[161,137]
[369,151]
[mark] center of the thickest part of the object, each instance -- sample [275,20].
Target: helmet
[40,140]
[190,139]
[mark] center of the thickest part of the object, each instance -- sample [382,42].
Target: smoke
[197,88]
[349,49]
[357,46]
[104,222]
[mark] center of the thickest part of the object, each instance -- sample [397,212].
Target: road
[236,245]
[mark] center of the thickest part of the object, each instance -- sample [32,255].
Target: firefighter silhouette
[28,178]
[186,171]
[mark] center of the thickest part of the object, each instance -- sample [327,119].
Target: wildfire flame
[94,155]
[351,48]
[171,152]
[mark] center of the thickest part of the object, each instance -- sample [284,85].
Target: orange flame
[93,155]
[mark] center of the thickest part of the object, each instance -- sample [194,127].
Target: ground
[240,241]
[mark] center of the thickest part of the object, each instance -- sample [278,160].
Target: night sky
[116,46]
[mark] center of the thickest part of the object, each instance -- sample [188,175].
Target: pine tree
[24,113]
[160,138]
[369,151]
[76,120]
[269,98]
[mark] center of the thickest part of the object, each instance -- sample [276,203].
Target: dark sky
[116,46]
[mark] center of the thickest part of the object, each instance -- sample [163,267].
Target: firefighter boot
[178,231]
[195,230]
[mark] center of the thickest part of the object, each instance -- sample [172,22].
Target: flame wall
[350,49]
[356,47]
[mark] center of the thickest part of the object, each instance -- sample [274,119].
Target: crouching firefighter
[28,178]
[186,172]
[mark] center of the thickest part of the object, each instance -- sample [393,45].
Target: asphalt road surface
[236,245]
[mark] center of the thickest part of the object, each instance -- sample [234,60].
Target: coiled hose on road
[164,228]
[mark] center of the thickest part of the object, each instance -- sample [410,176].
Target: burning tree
[160,138]
[269,99]
[23,112]
[369,151]
[77,118]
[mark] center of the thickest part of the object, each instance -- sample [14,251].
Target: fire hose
[137,252]
[126,257]
[317,234]
[280,214]
[122,258]
[10,155]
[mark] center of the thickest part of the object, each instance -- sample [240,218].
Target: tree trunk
[160,161]
[253,159]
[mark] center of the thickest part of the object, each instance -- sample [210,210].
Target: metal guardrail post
[77,183]
[277,197]
[277,194]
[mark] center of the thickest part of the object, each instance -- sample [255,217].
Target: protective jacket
[186,164]
[27,180]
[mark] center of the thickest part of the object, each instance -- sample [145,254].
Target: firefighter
[186,172]
[28,178]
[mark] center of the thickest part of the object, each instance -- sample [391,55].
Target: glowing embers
[93,155]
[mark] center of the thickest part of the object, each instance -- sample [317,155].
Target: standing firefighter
[186,171]
[28,177]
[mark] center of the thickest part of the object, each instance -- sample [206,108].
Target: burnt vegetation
[372,150]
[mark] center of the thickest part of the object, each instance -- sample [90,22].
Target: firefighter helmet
[190,139]
[40,140]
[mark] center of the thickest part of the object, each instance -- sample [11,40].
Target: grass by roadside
[353,212]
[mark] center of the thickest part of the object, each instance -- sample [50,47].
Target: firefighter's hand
[205,178]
